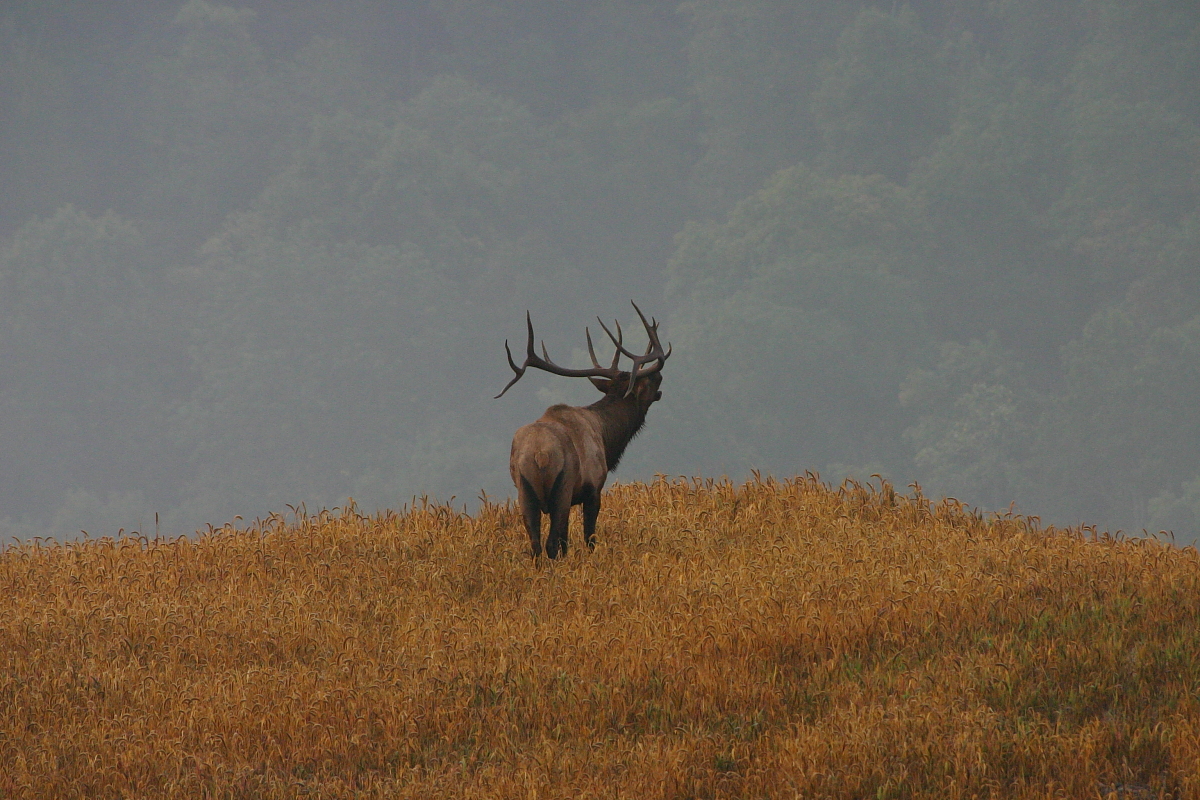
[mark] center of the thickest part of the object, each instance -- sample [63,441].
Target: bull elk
[564,458]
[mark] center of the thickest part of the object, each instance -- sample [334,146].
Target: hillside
[775,639]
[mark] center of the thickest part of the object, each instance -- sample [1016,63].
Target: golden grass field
[772,640]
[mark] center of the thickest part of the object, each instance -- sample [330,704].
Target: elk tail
[544,479]
[544,495]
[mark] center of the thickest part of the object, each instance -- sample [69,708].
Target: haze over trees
[267,254]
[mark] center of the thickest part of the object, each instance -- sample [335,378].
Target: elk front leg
[591,510]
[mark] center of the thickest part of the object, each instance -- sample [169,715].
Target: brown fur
[563,459]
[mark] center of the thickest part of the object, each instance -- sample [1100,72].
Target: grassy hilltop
[775,639]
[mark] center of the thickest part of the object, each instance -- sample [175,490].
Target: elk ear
[603,384]
[646,391]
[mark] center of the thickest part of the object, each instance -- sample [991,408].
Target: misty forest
[268,254]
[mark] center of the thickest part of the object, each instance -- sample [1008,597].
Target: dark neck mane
[620,420]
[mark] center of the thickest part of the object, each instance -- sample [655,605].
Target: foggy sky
[267,254]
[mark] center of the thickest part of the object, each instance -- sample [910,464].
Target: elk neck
[620,420]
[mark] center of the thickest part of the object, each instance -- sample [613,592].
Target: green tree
[1128,410]
[797,317]
[619,168]
[217,126]
[633,51]
[885,97]
[1177,514]
[448,173]
[753,70]
[989,184]
[1133,138]
[93,363]
[520,49]
[322,366]
[976,421]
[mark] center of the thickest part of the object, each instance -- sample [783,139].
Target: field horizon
[774,638]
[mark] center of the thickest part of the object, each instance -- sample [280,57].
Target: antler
[543,362]
[654,352]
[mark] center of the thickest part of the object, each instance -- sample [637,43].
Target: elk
[564,458]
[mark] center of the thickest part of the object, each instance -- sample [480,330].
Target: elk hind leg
[531,510]
[560,519]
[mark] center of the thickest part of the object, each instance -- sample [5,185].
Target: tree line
[261,255]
